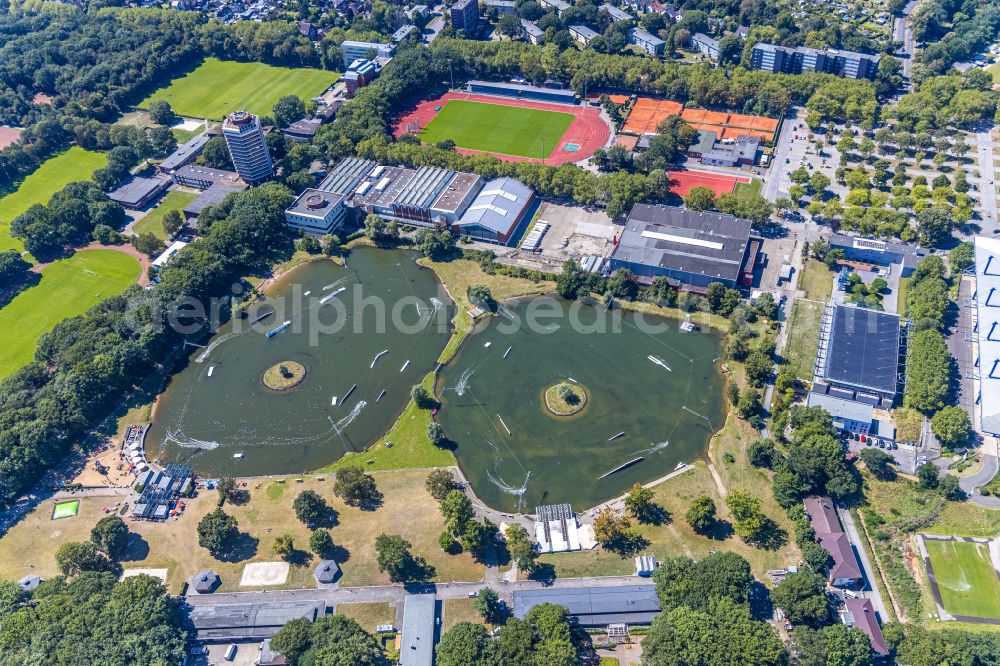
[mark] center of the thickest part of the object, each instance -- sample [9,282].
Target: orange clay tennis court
[682,180]
[647,113]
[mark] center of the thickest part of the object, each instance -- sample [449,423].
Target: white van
[230,652]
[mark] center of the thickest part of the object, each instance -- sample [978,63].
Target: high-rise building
[465,16]
[247,147]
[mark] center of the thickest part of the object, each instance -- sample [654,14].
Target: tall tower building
[247,147]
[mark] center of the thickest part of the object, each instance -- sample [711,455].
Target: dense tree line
[69,218]
[330,641]
[93,619]
[86,363]
[940,101]
[954,30]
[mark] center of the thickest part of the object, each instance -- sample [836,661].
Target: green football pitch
[67,288]
[76,164]
[217,87]
[495,128]
[965,577]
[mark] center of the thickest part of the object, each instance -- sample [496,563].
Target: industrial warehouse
[465,203]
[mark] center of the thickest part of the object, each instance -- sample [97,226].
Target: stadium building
[521,91]
[247,147]
[690,248]
[986,333]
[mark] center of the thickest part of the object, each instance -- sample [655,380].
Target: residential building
[465,16]
[354,50]
[741,151]
[691,248]
[137,193]
[247,147]
[647,41]
[500,6]
[316,212]
[986,333]
[617,15]
[844,569]
[706,45]
[417,637]
[186,153]
[402,33]
[788,60]
[902,257]
[583,34]
[595,606]
[858,356]
[559,5]
[534,34]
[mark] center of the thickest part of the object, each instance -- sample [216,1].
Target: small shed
[326,572]
[205,582]
[645,565]
[30,582]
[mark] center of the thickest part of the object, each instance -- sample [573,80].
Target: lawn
[153,221]
[218,87]
[369,615]
[747,190]
[816,280]
[495,128]
[454,611]
[965,577]
[407,509]
[67,288]
[75,164]
[803,337]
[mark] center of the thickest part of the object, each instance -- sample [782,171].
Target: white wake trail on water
[178,438]
[462,384]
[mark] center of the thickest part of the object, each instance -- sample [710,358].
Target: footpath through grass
[495,128]
[153,222]
[217,87]
[67,288]
[966,577]
[76,164]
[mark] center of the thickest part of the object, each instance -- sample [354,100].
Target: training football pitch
[965,577]
[218,87]
[76,164]
[68,287]
[495,128]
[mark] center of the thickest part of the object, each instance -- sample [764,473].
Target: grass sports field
[67,288]
[76,164]
[218,87]
[965,577]
[153,222]
[495,128]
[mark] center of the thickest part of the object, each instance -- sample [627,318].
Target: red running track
[682,181]
[588,130]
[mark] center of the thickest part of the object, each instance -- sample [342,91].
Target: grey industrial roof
[710,244]
[498,205]
[137,189]
[185,152]
[224,622]
[743,148]
[346,175]
[425,187]
[595,606]
[417,643]
[305,127]
[987,300]
[210,197]
[195,172]
[862,615]
[706,140]
[205,581]
[839,407]
[456,191]
[863,348]
[911,253]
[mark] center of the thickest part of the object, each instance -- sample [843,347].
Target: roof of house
[205,581]
[641,35]
[584,32]
[326,571]
[595,606]
[845,562]
[137,189]
[710,244]
[822,515]
[499,205]
[531,28]
[417,643]
[841,408]
[702,38]
[863,348]
[615,13]
[987,299]
[862,615]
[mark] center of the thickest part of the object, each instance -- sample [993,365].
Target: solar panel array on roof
[346,175]
[864,349]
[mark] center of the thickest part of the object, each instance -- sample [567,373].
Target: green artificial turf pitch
[66,509]
[68,287]
[218,87]
[495,128]
[76,164]
[965,577]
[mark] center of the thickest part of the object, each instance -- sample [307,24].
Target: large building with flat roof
[522,91]
[789,60]
[858,356]
[596,606]
[986,299]
[498,211]
[416,647]
[691,248]
[186,153]
[225,623]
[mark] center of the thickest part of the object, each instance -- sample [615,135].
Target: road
[773,180]
[987,188]
[901,32]
[872,593]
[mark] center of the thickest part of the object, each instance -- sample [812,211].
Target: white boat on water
[238,455]
[211,371]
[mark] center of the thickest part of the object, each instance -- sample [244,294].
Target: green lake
[659,386]
[217,407]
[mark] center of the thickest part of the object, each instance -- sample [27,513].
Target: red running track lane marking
[588,130]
